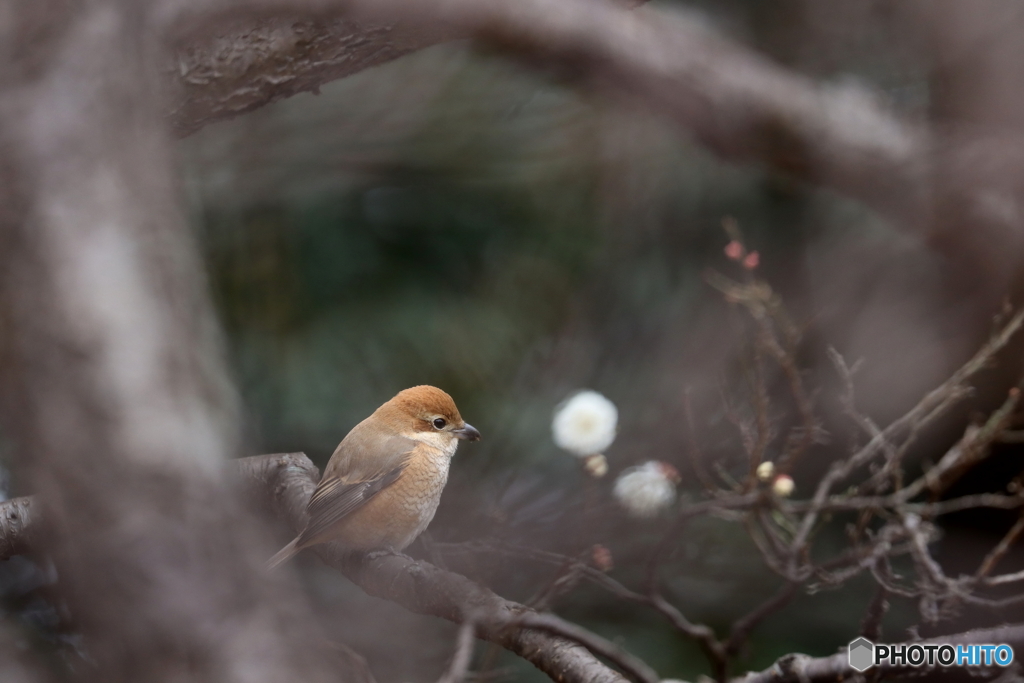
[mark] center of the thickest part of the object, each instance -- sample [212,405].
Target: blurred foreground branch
[112,381]
[731,98]
[250,62]
[737,102]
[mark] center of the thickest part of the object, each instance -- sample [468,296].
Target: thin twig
[997,553]
[464,643]
[972,448]
[1005,578]
[694,451]
[742,627]
[936,401]
[871,626]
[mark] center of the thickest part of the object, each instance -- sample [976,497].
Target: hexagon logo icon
[862,654]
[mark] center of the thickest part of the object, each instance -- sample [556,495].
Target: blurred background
[451,218]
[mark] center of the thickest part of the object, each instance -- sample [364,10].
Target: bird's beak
[467,433]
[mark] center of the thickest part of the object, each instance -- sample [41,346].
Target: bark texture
[246,64]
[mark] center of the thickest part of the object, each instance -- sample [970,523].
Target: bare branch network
[115,388]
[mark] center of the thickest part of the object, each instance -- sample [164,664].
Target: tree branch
[284,482]
[246,64]
[111,375]
[635,667]
[733,100]
[463,656]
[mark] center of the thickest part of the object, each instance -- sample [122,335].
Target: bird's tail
[284,554]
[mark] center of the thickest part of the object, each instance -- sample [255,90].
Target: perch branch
[286,481]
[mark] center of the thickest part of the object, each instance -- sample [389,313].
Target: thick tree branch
[738,103]
[735,101]
[285,483]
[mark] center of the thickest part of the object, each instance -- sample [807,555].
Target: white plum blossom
[585,424]
[646,490]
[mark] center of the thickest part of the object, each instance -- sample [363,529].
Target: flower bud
[596,465]
[783,486]
[766,470]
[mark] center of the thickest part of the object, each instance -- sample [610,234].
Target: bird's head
[430,415]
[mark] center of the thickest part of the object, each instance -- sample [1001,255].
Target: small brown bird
[382,485]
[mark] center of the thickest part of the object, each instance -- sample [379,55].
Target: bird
[383,483]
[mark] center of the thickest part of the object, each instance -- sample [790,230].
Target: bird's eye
[439,423]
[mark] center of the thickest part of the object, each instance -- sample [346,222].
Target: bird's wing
[341,493]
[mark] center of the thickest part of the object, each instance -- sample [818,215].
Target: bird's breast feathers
[380,490]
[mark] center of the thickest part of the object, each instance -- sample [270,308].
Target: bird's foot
[382,553]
